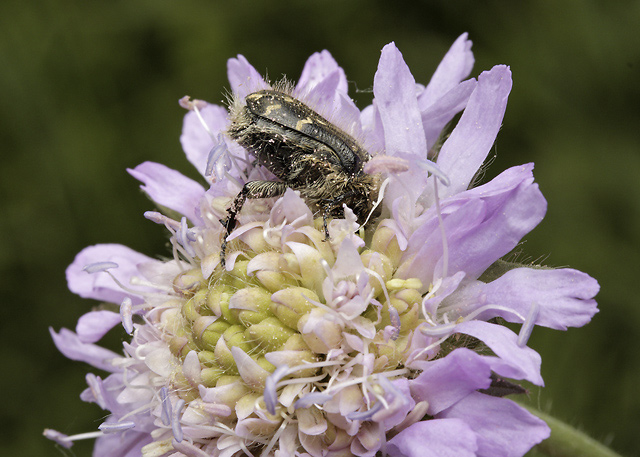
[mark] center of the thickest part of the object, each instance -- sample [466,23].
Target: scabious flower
[381,340]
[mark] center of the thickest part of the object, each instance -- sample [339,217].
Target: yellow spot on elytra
[302,122]
[272,108]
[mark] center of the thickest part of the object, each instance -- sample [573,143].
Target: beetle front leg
[252,189]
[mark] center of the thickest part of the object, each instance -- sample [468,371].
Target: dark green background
[88,88]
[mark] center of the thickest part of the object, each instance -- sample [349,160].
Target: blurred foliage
[89,88]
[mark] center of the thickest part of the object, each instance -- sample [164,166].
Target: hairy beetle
[305,151]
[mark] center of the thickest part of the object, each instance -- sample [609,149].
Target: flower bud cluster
[264,346]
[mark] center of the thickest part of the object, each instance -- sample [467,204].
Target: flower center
[272,345]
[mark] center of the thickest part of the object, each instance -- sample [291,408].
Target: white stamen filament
[383,187]
[202,122]
[276,436]
[426,349]
[97,267]
[527,326]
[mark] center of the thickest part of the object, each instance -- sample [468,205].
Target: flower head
[380,338]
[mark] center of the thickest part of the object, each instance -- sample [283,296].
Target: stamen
[160,218]
[60,438]
[270,394]
[395,322]
[448,327]
[365,415]
[196,109]
[383,187]
[185,236]
[382,285]
[276,436]
[66,440]
[126,314]
[97,267]
[166,407]
[433,169]
[527,326]
[188,104]
[116,427]
[176,427]
[218,161]
[423,351]
[312,398]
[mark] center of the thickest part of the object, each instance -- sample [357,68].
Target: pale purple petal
[425,249]
[95,324]
[503,428]
[510,216]
[291,207]
[472,138]
[348,263]
[373,133]
[434,438]
[395,98]
[454,67]
[198,141]
[511,206]
[70,345]
[100,286]
[397,392]
[565,296]
[512,361]
[170,188]
[327,99]
[128,444]
[443,382]
[439,113]
[244,79]
[95,393]
[318,67]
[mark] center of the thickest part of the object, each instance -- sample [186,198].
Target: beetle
[305,152]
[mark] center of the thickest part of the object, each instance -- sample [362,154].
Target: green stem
[566,441]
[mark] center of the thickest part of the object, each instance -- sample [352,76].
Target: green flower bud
[384,241]
[188,282]
[290,304]
[212,333]
[269,334]
[250,305]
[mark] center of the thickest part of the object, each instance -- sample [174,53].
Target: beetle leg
[252,189]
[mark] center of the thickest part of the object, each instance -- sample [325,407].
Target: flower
[379,339]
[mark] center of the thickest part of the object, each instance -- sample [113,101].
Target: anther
[176,427]
[126,314]
[365,415]
[270,394]
[116,427]
[317,398]
[166,407]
